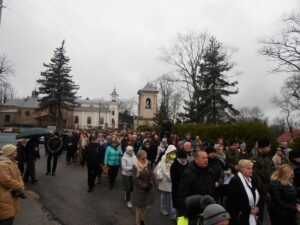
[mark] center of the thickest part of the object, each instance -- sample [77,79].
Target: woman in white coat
[165,184]
[128,161]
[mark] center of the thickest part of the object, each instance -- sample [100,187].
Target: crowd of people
[240,181]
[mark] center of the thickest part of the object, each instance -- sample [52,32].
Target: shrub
[250,132]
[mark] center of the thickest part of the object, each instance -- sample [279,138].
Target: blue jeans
[163,202]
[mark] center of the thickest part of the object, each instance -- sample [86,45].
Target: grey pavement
[31,212]
[65,196]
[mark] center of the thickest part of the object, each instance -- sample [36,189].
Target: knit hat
[243,145]
[129,148]
[262,143]
[8,149]
[195,204]
[181,154]
[214,213]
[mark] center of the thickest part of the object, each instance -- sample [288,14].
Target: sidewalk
[31,212]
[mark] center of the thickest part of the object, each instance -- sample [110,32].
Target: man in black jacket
[31,154]
[21,155]
[54,147]
[177,168]
[216,167]
[197,179]
[93,156]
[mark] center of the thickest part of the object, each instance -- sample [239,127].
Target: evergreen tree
[214,86]
[162,114]
[56,85]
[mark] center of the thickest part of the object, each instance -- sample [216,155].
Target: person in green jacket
[112,159]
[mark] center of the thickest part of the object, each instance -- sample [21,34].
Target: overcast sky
[117,43]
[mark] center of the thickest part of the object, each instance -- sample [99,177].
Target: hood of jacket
[126,155]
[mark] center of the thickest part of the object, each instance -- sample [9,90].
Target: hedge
[250,132]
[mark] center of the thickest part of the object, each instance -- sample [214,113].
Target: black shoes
[46,173]
[34,181]
[90,190]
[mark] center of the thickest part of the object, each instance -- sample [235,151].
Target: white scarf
[252,219]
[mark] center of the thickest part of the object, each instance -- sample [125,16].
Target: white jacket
[127,164]
[165,183]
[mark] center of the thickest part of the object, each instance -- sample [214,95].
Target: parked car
[8,130]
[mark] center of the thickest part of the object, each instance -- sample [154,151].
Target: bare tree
[170,97]
[284,49]
[7,91]
[126,111]
[127,105]
[291,88]
[185,55]
[6,69]
[284,103]
[251,114]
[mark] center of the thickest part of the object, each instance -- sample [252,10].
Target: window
[101,120]
[113,124]
[148,103]
[113,112]
[27,113]
[76,119]
[89,120]
[7,118]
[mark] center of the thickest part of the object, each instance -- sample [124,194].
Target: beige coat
[10,180]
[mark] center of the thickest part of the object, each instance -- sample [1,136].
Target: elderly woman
[165,183]
[11,185]
[283,207]
[128,161]
[243,196]
[142,194]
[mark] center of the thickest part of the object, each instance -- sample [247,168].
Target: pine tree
[56,85]
[162,114]
[215,87]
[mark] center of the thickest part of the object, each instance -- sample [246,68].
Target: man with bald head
[188,148]
[197,179]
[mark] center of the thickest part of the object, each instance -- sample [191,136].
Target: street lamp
[100,114]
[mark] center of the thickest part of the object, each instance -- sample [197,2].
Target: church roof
[148,88]
[114,92]
[29,102]
[9,111]
[93,101]
[90,109]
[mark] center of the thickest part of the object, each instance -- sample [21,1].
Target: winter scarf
[140,166]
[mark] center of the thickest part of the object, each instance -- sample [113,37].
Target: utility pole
[1,6]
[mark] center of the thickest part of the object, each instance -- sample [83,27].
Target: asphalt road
[65,196]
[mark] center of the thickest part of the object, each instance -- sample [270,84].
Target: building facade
[25,112]
[147,107]
[96,113]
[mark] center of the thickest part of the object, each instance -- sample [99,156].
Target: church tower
[147,105]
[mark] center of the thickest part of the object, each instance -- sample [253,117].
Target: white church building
[97,113]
